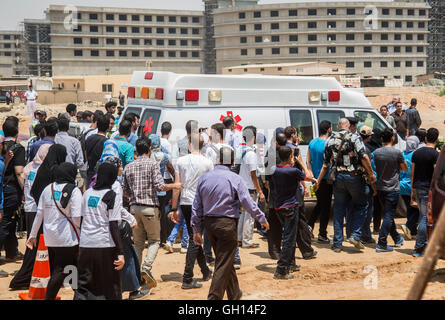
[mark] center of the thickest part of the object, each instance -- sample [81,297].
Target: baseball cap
[365,131]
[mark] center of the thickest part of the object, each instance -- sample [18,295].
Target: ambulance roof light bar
[148,76]
[192,95]
[334,96]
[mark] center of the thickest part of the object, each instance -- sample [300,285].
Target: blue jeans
[349,192]
[287,254]
[366,229]
[175,231]
[422,201]
[388,201]
[412,215]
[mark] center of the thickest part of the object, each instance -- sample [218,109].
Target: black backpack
[237,166]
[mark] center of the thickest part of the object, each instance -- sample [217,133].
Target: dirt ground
[341,276]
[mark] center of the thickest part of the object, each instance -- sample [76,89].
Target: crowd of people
[103,197]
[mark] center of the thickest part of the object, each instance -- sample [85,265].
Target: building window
[293,13]
[135,17]
[110,41]
[195,31]
[123,29]
[367,49]
[194,20]
[123,42]
[94,29]
[110,53]
[399,12]
[383,64]
[383,49]
[184,54]
[420,63]
[312,12]
[135,42]
[159,30]
[410,12]
[275,50]
[184,42]
[408,64]
[332,37]
[409,37]
[242,27]
[420,37]
[312,37]
[350,49]
[172,30]
[350,24]
[147,42]
[258,52]
[109,16]
[331,50]
[312,25]
[195,43]
[397,64]
[397,49]
[172,54]
[94,53]
[419,49]
[93,16]
[77,40]
[350,11]
[242,15]
[368,64]
[293,25]
[257,14]
[350,64]
[147,54]
[109,29]
[195,54]
[312,50]
[422,12]
[410,24]
[384,36]
[147,30]
[385,24]
[409,49]
[350,36]
[332,12]
[123,17]
[78,53]
[257,26]
[397,37]
[408,78]
[275,26]
[171,19]
[122,53]
[135,30]
[332,24]
[6,37]
[148,18]
[160,18]
[160,42]
[421,25]
[258,39]
[293,37]
[385,12]
[172,42]
[275,38]
[293,50]
[160,54]
[94,40]
[184,19]
[368,36]
[243,40]
[244,52]
[107,88]
[184,31]
[274,13]
[398,24]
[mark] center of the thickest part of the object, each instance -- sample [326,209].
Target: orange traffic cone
[40,274]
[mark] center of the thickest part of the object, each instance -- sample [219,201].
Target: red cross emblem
[148,125]
[237,119]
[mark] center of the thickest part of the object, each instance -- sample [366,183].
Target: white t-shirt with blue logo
[95,232]
[30,204]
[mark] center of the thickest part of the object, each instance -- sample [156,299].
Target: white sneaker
[406,231]
[183,250]
[169,247]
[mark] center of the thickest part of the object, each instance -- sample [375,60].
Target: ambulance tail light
[192,95]
[149,76]
[159,95]
[131,92]
[334,96]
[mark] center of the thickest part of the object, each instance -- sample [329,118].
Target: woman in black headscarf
[45,175]
[60,211]
[100,241]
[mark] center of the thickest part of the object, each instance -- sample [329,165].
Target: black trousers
[322,209]
[8,238]
[222,233]
[274,234]
[22,278]
[377,214]
[166,224]
[59,258]
[304,237]
[194,252]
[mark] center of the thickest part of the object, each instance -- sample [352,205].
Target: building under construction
[436,49]
[37,47]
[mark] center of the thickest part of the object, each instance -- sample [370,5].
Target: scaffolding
[36,54]
[436,39]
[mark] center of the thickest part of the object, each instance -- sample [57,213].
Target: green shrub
[442,92]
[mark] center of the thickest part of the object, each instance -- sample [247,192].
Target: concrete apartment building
[121,40]
[396,47]
[37,47]
[11,44]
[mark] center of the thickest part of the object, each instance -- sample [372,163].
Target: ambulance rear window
[330,115]
[135,110]
[302,121]
[149,122]
[370,119]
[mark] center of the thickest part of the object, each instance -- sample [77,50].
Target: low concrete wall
[69,96]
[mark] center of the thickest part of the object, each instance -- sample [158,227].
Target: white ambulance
[267,102]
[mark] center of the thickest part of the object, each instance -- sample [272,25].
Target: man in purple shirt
[218,196]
